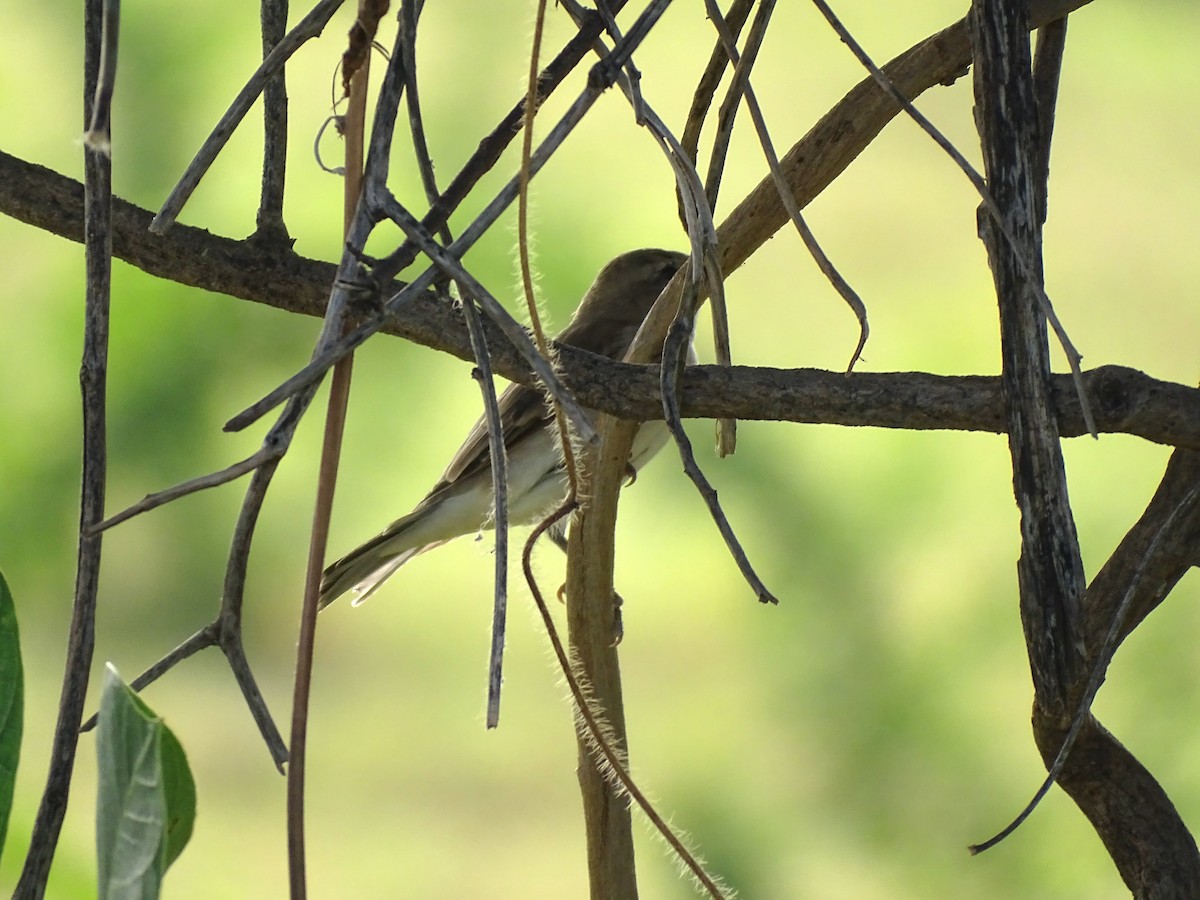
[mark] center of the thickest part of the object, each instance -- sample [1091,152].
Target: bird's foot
[618,622]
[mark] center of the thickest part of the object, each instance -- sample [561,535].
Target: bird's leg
[558,536]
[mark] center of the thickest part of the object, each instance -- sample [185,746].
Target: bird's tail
[361,573]
[367,567]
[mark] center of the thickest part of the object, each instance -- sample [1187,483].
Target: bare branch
[194,485]
[101,30]
[824,263]
[1030,268]
[1124,400]
[491,147]
[309,27]
[1050,570]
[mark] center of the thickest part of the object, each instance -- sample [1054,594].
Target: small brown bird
[460,503]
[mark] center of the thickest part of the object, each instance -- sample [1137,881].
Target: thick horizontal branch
[1124,400]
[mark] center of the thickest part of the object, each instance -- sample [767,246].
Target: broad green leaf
[146,803]
[179,789]
[12,691]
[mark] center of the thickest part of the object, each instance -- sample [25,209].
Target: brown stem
[335,421]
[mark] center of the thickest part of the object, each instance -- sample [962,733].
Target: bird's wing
[522,410]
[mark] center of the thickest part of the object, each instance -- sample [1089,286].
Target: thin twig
[207,636]
[710,80]
[524,176]
[204,482]
[499,476]
[499,464]
[601,78]
[727,428]
[324,360]
[674,359]
[727,114]
[848,294]
[697,216]
[1073,356]
[410,12]
[309,27]
[1096,677]
[702,233]
[101,18]
[233,592]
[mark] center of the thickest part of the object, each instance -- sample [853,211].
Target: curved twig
[824,263]
[1096,678]
[1028,270]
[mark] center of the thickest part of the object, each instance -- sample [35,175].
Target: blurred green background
[849,743]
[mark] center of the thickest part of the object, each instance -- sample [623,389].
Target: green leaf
[147,799]
[12,704]
[178,787]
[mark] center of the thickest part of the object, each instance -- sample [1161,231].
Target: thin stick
[101,30]
[706,87]
[309,27]
[410,12]
[824,263]
[207,636]
[535,319]
[1074,358]
[214,479]
[702,233]
[1095,678]
[335,421]
[499,463]
[233,595]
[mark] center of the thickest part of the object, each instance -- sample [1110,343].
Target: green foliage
[12,704]
[146,801]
